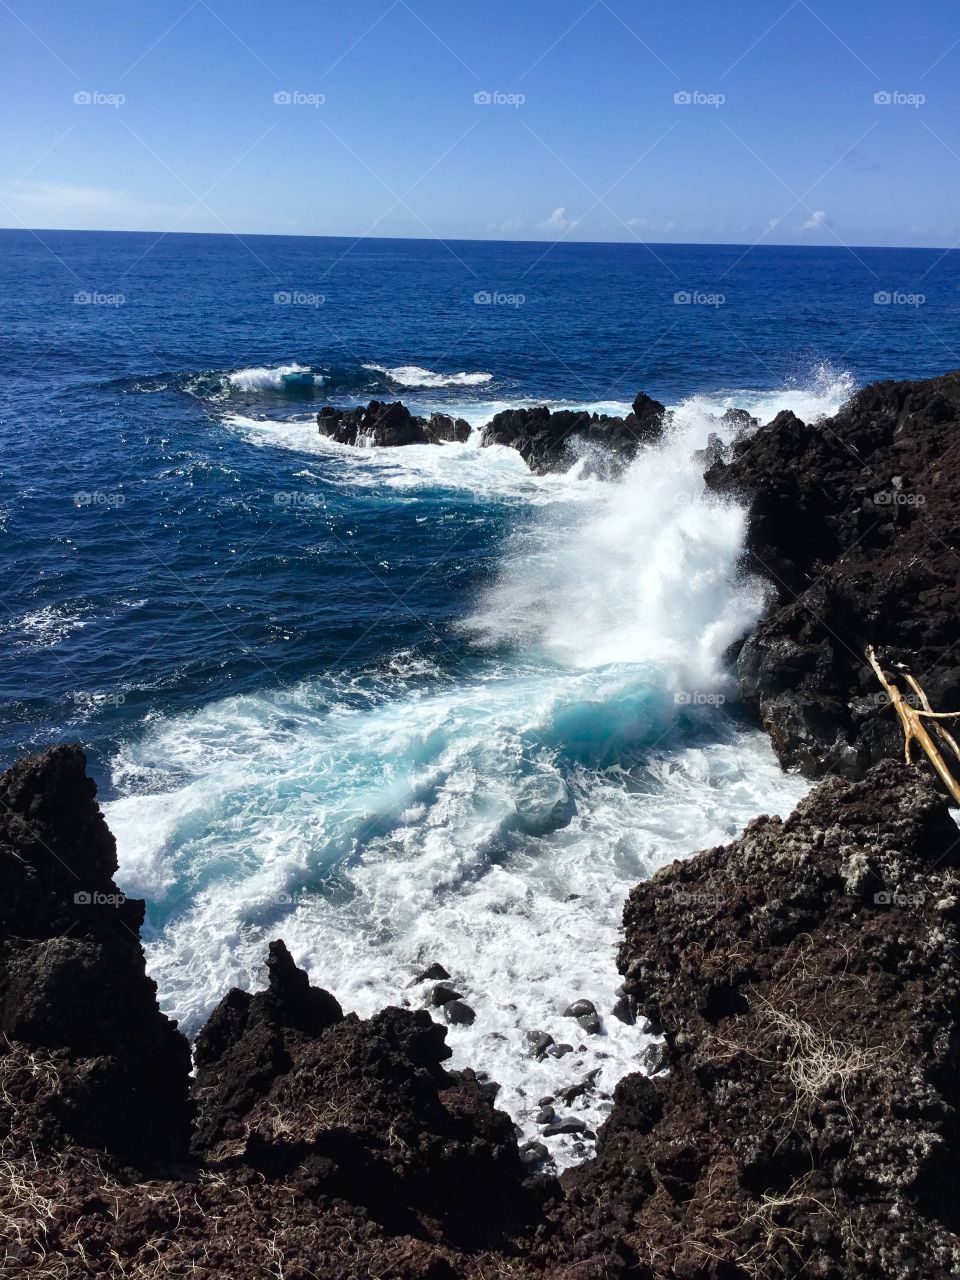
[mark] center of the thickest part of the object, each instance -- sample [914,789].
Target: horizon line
[322,235]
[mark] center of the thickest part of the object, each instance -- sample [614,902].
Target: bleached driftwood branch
[914,729]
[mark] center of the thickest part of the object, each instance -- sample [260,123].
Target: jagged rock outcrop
[807,979]
[854,522]
[385,425]
[553,440]
[323,1146]
[72,975]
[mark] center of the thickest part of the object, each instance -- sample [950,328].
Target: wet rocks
[585,1012]
[442,994]
[458,1013]
[388,425]
[553,440]
[533,1154]
[72,973]
[853,523]
[432,973]
[809,991]
[539,1042]
[560,1127]
[559,1050]
[440,428]
[625,1010]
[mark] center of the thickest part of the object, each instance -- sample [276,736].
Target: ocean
[414,705]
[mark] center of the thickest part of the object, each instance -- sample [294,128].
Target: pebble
[441,994]
[624,1010]
[432,972]
[540,1042]
[458,1013]
[579,1008]
[565,1126]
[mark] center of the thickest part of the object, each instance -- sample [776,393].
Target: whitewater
[489,813]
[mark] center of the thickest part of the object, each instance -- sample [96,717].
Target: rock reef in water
[547,440]
[384,425]
[552,440]
[854,522]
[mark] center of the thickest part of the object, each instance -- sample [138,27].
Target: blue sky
[164,116]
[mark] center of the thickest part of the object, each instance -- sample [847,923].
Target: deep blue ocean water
[401,704]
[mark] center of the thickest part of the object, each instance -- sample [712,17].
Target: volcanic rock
[553,440]
[853,523]
[380,424]
[810,995]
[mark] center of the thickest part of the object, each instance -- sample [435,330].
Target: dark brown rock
[853,521]
[554,440]
[808,981]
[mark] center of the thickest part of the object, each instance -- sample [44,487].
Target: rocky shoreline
[802,1116]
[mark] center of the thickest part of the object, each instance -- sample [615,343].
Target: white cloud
[645,224]
[819,218]
[75,207]
[558,221]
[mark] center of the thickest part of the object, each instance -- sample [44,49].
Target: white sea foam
[44,628]
[454,826]
[494,821]
[266,379]
[645,572]
[411,375]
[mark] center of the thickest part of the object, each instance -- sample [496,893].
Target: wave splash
[647,573]
[492,819]
[411,375]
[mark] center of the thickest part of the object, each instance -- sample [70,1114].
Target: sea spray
[492,814]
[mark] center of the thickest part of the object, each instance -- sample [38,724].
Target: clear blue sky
[798,151]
